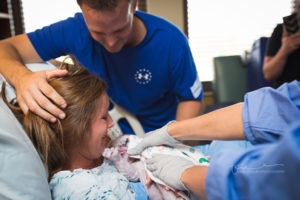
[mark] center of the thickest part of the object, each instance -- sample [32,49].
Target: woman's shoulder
[103,181]
[65,183]
[66,176]
[80,181]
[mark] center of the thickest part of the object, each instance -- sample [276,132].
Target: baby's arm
[122,162]
[134,170]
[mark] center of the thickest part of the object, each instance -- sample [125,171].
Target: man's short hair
[101,4]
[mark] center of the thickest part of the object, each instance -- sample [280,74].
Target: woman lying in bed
[72,148]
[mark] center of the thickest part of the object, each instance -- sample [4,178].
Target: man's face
[112,29]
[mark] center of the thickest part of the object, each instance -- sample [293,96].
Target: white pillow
[22,173]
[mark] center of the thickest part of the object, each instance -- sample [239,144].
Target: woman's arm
[261,118]
[238,174]
[178,173]
[222,124]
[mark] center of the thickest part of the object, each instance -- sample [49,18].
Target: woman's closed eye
[104,118]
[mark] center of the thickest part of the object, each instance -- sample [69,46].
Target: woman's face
[95,143]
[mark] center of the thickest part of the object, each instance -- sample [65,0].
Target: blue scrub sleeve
[267,112]
[267,171]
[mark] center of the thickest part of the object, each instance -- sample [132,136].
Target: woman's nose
[110,121]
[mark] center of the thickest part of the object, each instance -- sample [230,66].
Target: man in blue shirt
[268,118]
[145,60]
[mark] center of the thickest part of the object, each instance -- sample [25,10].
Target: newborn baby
[135,170]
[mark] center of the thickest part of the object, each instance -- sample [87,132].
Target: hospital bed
[22,173]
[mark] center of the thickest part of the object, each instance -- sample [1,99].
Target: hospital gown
[103,182]
[271,168]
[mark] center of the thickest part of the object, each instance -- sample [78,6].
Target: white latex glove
[154,138]
[169,169]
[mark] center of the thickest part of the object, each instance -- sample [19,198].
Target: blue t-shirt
[148,79]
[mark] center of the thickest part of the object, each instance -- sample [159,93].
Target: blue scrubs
[270,169]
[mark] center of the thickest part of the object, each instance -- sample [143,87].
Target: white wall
[39,13]
[171,10]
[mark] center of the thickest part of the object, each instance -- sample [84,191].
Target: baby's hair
[81,90]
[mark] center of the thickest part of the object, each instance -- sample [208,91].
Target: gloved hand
[169,169]
[154,138]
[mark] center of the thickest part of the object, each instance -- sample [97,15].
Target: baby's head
[120,145]
[121,141]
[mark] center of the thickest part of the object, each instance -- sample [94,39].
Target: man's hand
[169,169]
[154,138]
[33,93]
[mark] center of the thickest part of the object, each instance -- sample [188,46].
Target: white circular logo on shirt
[143,76]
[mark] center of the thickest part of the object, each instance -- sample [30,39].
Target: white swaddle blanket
[186,152]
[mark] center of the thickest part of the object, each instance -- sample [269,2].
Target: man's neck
[138,33]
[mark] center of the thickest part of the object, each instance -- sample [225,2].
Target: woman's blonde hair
[81,90]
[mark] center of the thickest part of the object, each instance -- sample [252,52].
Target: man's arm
[32,88]
[14,52]
[188,109]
